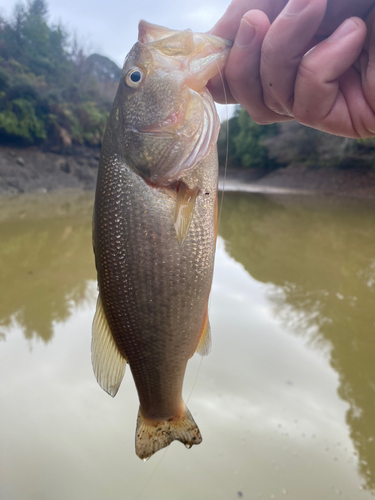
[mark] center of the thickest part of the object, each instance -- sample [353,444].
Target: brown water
[285,401]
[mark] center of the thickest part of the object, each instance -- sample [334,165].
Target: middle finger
[283,48]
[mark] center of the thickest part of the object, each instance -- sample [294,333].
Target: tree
[250,142]
[246,143]
[49,89]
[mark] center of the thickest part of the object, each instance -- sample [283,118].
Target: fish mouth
[173,121]
[211,54]
[208,57]
[201,56]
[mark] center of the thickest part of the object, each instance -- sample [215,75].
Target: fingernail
[345,29]
[245,35]
[295,6]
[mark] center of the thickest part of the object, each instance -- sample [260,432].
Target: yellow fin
[204,344]
[153,435]
[108,363]
[185,204]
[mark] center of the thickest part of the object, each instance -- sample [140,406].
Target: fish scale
[130,271]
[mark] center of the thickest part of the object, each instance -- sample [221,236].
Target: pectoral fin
[107,361]
[184,211]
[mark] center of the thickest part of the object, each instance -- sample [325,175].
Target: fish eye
[134,77]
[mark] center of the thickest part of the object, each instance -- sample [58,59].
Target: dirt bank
[30,170]
[353,182]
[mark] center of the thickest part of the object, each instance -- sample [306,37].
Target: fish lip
[216,40]
[174,119]
[211,55]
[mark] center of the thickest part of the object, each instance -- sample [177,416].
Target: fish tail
[153,435]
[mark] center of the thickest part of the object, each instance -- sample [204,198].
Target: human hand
[321,88]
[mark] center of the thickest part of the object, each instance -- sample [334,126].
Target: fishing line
[209,305]
[152,474]
[166,449]
[226,148]
[195,380]
[227,134]
[222,196]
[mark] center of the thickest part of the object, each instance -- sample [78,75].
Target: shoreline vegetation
[55,102]
[52,95]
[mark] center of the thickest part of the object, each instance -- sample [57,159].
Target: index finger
[283,48]
[227,26]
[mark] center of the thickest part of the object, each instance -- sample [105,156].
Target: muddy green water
[285,401]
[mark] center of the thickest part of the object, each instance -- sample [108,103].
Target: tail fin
[153,435]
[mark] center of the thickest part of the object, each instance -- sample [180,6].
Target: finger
[338,11]
[242,71]
[361,122]
[227,28]
[326,85]
[220,91]
[283,49]
[368,62]
[228,24]
[242,68]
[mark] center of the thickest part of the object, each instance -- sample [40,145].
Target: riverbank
[29,170]
[348,182]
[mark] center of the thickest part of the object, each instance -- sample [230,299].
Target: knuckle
[266,117]
[270,47]
[276,106]
[306,116]
[302,116]
[307,72]
[262,120]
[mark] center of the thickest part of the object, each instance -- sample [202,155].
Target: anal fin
[107,361]
[183,215]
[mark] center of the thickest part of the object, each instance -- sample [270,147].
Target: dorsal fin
[148,32]
[108,363]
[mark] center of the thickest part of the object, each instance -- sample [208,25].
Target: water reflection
[266,402]
[320,255]
[46,260]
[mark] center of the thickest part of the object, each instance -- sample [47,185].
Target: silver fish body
[155,231]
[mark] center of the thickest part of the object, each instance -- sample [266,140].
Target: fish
[154,227]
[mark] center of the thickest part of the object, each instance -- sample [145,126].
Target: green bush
[93,121]
[47,85]
[290,143]
[246,144]
[20,121]
[4,79]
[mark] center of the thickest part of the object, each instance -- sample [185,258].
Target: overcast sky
[110,27]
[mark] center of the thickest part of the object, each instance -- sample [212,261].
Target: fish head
[166,120]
